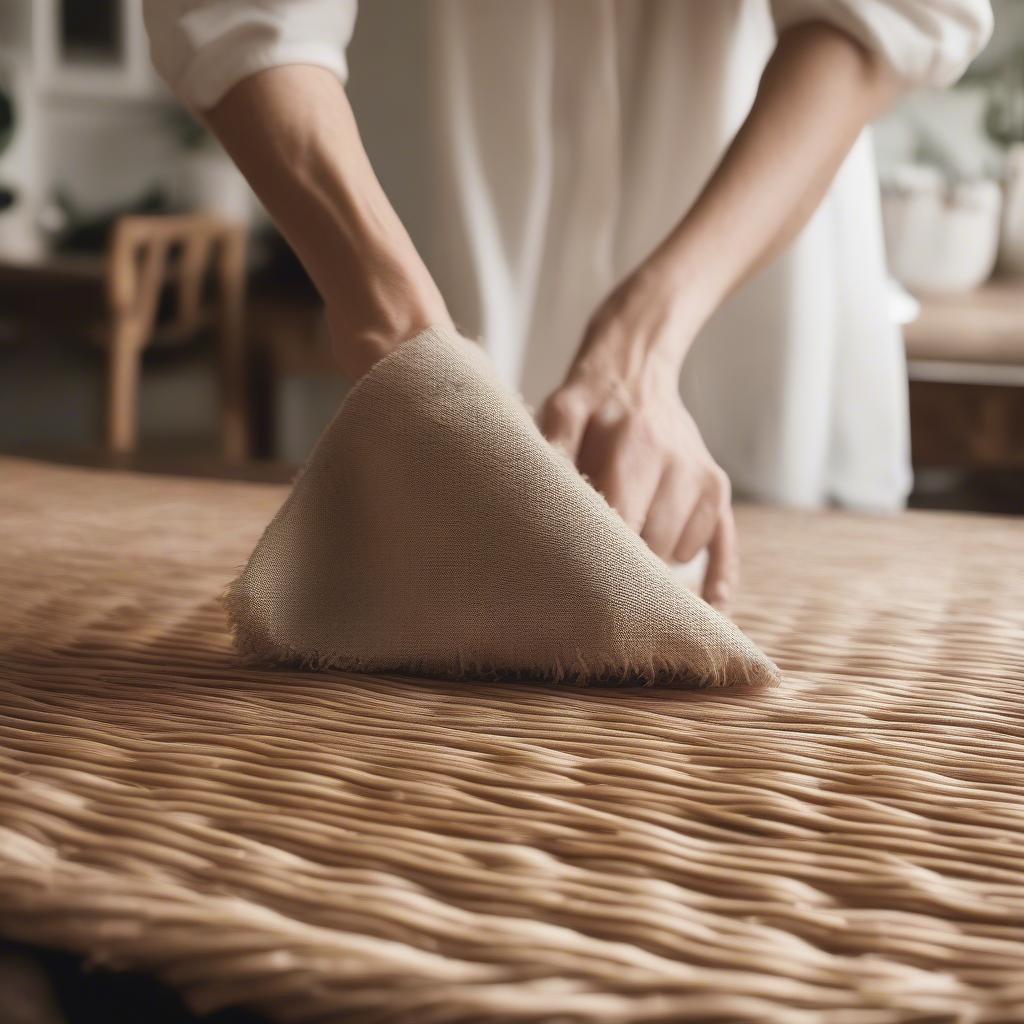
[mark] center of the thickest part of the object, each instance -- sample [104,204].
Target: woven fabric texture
[434,530]
[844,849]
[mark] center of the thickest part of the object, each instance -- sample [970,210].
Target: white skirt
[569,138]
[559,140]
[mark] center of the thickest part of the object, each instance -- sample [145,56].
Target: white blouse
[569,135]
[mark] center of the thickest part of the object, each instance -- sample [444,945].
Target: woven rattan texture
[327,847]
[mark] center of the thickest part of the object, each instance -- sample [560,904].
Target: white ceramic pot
[1011,241]
[940,236]
[209,182]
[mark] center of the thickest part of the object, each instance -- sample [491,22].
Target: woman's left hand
[619,416]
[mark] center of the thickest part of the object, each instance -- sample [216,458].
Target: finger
[699,529]
[723,570]
[563,420]
[672,504]
[627,480]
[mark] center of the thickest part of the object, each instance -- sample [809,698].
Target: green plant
[191,133]
[1004,114]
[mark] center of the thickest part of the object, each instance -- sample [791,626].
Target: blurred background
[216,361]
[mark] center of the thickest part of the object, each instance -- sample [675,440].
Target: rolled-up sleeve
[203,47]
[926,42]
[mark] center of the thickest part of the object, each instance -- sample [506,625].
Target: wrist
[384,308]
[641,334]
[690,278]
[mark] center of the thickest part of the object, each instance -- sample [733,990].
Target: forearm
[817,93]
[292,133]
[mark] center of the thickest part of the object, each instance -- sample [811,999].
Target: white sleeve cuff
[926,42]
[204,47]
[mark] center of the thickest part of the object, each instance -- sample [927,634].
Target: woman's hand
[620,417]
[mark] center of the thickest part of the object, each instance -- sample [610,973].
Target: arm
[817,93]
[292,133]
[618,412]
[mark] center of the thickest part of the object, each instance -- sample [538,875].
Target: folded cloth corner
[435,531]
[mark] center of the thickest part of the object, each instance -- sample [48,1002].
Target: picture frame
[91,48]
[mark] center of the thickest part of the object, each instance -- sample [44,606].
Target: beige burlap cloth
[435,531]
[844,849]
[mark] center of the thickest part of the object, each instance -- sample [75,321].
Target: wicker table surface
[329,847]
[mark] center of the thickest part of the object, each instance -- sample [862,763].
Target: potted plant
[1004,122]
[18,237]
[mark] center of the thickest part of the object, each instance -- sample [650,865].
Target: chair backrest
[147,254]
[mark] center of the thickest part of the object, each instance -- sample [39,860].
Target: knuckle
[719,487]
[562,410]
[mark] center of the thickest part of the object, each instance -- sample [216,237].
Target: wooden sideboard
[965,358]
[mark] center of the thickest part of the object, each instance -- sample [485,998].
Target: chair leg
[235,438]
[123,364]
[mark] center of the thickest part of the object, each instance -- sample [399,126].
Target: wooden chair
[197,262]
